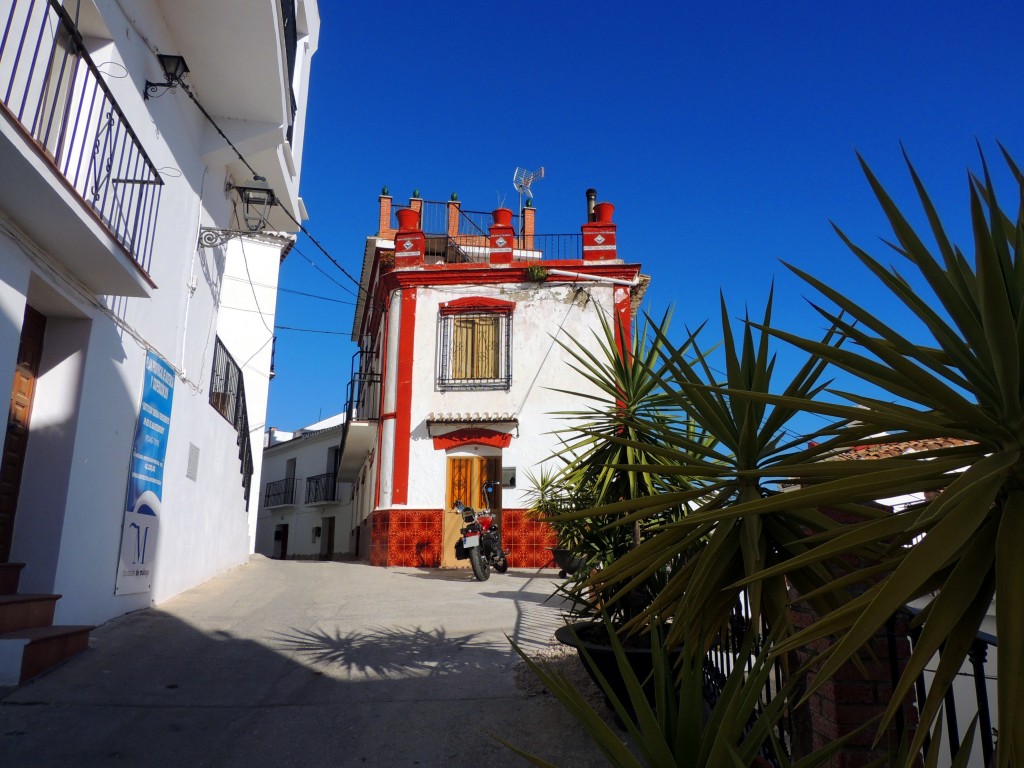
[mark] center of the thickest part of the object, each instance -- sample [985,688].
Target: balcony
[321,489]
[362,412]
[280,493]
[85,190]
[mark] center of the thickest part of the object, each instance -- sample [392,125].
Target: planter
[502,217]
[566,561]
[600,657]
[408,219]
[603,212]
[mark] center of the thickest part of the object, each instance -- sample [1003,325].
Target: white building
[305,512]
[140,354]
[460,369]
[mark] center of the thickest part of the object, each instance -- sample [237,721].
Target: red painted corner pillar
[403,398]
[410,243]
[503,237]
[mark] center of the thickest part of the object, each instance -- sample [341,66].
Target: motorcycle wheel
[480,568]
[501,565]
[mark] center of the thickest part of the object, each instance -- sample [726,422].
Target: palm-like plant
[967,384]
[957,551]
[734,525]
[610,452]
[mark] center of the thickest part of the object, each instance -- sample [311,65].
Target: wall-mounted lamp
[257,199]
[174,68]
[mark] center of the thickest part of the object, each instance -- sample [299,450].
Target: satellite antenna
[522,179]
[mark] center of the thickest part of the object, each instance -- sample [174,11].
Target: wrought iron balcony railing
[321,488]
[280,493]
[50,85]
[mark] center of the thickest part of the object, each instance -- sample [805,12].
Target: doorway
[12,463]
[466,478]
[327,540]
[281,542]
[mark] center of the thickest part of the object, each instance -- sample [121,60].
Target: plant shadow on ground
[465,574]
[391,652]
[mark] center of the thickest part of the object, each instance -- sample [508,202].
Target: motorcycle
[481,539]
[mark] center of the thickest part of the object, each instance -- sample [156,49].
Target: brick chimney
[599,235]
[384,229]
[410,243]
[502,238]
[528,225]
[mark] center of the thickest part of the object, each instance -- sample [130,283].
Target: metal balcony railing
[363,401]
[227,396]
[280,493]
[321,488]
[51,87]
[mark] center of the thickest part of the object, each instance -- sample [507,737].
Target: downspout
[595,278]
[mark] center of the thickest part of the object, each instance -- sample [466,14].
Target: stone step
[26,611]
[10,573]
[30,652]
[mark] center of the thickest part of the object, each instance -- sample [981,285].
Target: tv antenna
[522,179]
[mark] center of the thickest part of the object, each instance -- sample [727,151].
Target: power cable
[288,213]
[309,330]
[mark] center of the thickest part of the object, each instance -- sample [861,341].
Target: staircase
[29,643]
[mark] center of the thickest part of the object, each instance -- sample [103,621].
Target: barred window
[474,346]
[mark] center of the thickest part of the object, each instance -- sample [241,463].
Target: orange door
[30,350]
[466,478]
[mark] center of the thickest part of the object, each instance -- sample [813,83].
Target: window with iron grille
[227,396]
[474,345]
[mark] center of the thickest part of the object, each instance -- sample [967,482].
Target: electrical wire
[287,213]
[309,330]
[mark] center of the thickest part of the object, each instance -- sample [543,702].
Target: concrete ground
[305,664]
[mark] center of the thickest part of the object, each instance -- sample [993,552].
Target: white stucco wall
[312,455]
[70,511]
[543,313]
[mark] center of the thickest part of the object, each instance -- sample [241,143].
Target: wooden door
[466,478]
[327,542]
[30,351]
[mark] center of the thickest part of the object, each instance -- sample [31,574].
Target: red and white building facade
[461,372]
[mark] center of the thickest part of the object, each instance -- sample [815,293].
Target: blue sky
[725,134]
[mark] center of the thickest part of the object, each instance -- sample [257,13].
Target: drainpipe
[593,278]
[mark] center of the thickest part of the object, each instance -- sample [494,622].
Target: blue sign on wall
[145,480]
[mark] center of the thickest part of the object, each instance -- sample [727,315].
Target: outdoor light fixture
[257,198]
[174,68]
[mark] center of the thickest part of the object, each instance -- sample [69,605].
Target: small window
[475,345]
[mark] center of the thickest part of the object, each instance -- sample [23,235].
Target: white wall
[68,526]
[311,454]
[539,366]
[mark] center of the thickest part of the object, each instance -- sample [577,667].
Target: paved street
[305,664]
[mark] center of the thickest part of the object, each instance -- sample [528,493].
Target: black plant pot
[566,561]
[593,637]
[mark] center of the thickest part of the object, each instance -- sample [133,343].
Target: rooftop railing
[50,85]
[434,220]
[475,249]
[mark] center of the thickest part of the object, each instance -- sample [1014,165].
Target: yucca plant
[966,383]
[676,723]
[610,452]
[714,552]
[957,551]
